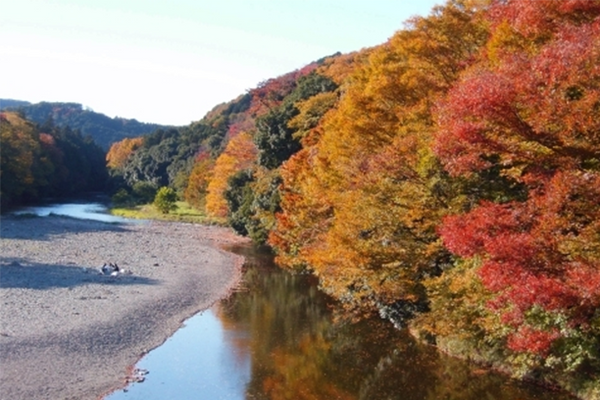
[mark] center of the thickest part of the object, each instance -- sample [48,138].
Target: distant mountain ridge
[10,103]
[104,130]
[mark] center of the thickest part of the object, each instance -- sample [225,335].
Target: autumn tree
[528,109]
[83,163]
[310,113]
[361,205]
[19,151]
[271,93]
[166,157]
[119,152]
[197,184]
[54,162]
[339,67]
[253,198]
[239,154]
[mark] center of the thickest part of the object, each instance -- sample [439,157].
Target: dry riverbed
[69,332]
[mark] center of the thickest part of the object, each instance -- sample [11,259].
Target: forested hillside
[447,179]
[104,130]
[47,161]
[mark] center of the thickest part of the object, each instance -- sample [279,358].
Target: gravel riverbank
[69,332]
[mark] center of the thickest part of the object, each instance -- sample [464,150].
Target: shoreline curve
[69,332]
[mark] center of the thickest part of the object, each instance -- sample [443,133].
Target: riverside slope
[68,332]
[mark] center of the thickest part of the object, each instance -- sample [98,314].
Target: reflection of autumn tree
[299,350]
[280,312]
[303,372]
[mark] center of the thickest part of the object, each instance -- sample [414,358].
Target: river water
[95,210]
[279,338]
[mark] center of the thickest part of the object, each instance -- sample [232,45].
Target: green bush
[144,192]
[122,198]
[165,200]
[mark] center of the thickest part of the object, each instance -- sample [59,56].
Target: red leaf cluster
[532,340]
[539,17]
[531,112]
[270,93]
[534,253]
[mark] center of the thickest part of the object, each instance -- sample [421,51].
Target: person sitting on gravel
[110,269]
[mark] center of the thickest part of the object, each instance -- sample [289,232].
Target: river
[93,208]
[279,337]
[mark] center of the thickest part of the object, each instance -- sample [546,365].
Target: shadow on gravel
[21,274]
[33,228]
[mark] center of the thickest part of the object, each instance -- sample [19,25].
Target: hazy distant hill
[10,103]
[103,129]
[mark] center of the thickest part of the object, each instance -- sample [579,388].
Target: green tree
[122,198]
[144,192]
[253,199]
[239,196]
[275,137]
[165,200]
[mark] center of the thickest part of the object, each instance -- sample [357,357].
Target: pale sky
[170,62]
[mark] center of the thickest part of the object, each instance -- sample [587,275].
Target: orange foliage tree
[239,154]
[119,152]
[197,184]
[360,206]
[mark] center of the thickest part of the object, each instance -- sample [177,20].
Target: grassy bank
[183,213]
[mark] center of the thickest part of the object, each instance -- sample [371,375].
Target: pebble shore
[67,331]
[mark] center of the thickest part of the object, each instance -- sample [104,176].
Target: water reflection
[86,210]
[276,339]
[198,362]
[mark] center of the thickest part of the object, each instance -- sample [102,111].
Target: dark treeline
[37,162]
